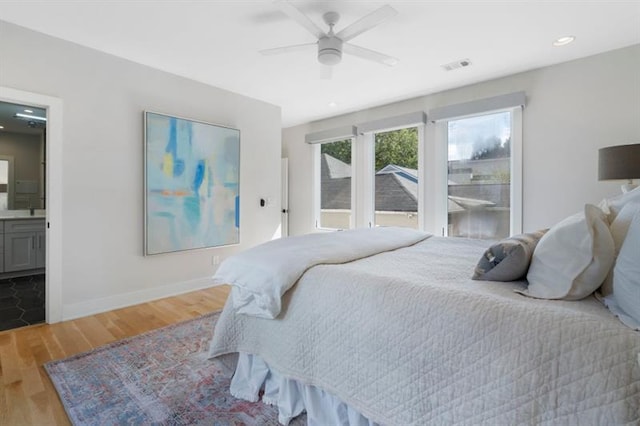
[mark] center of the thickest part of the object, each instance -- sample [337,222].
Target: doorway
[22,215]
[41,196]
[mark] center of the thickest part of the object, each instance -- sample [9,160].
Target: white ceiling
[217,42]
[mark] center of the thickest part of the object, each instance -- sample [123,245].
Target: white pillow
[625,301]
[619,228]
[612,206]
[573,258]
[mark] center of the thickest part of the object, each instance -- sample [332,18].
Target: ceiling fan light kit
[329,50]
[331,46]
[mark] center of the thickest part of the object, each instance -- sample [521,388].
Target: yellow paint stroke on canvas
[167,165]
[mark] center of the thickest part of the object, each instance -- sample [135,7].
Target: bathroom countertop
[21,217]
[21,214]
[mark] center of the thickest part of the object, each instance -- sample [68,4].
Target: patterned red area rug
[162,377]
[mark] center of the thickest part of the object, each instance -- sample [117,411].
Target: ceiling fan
[331,45]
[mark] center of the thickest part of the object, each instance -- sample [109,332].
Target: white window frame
[432,160]
[365,164]
[364,180]
[368,189]
[440,158]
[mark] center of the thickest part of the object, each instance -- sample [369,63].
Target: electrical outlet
[215,260]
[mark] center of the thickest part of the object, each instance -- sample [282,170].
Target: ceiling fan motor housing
[329,50]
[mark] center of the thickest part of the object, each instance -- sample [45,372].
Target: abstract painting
[192,182]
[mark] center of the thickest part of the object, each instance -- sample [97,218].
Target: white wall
[103,101]
[572,109]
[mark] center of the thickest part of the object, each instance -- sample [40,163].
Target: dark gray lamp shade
[619,162]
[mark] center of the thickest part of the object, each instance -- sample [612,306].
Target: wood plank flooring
[27,396]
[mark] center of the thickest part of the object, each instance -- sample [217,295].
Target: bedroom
[573,109]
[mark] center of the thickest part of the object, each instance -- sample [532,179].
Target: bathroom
[22,215]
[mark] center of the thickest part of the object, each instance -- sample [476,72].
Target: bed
[405,337]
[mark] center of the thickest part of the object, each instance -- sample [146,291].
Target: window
[459,176]
[477,169]
[335,185]
[479,176]
[396,178]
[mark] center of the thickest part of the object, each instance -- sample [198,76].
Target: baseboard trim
[104,304]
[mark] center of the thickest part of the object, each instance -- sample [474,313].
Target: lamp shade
[619,162]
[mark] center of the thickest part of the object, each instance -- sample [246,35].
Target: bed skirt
[291,397]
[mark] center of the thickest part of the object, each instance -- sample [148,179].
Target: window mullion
[516,171]
[354,182]
[421,177]
[440,181]
[315,149]
[365,180]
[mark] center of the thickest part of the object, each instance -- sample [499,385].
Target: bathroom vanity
[22,245]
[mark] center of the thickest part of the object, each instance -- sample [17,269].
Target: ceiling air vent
[461,63]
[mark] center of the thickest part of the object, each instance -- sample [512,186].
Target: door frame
[284,208]
[53,206]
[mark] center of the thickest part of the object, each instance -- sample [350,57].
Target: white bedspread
[406,338]
[262,274]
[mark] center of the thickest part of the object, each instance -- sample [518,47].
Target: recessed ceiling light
[562,41]
[28,111]
[1,127]
[333,104]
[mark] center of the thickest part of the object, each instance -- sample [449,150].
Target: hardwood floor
[27,396]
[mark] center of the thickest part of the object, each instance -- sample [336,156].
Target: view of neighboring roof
[332,168]
[336,194]
[396,189]
[405,172]
[471,203]
[395,192]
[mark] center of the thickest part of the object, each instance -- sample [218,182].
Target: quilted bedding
[407,338]
[262,274]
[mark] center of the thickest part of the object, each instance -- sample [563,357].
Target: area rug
[162,377]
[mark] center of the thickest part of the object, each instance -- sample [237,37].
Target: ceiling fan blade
[371,55]
[302,19]
[326,72]
[287,49]
[367,22]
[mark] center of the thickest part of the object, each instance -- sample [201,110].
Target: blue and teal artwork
[192,181]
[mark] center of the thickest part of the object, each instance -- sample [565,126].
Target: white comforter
[406,338]
[262,274]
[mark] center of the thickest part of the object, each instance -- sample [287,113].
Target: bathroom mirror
[22,157]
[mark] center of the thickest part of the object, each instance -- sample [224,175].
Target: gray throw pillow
[509,259]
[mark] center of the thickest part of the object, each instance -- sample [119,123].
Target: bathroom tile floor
[21,301]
